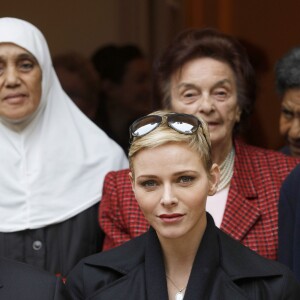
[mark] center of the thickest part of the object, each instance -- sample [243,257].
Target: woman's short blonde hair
[163,134]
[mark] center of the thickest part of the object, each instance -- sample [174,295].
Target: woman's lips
[212,124]
[171,218]
[14,98]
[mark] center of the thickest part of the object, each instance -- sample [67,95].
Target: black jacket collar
[219,263]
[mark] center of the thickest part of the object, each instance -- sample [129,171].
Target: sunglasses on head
[182,123]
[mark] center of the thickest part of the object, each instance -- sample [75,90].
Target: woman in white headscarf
[53,159]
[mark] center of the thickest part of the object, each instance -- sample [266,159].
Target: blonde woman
[183,255]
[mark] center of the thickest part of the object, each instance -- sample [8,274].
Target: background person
[80,81]
[287,73]
[207,73]
[183,255]
[53,159]
[125,89]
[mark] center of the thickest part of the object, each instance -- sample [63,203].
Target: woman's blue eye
[186,179]
[148,183]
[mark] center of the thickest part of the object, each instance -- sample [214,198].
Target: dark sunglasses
[182,123]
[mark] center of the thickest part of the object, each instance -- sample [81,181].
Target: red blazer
[251,214]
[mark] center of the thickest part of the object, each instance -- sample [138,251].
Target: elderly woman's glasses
[182,123]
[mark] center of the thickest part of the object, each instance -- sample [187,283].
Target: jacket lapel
[156,283]
[240,213]
[205,266]
[136,283]
[224,288]
[130,286]
[126,280]
[207,279]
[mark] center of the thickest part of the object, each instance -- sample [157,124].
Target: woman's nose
[11,77]
[206,104]
[168,198]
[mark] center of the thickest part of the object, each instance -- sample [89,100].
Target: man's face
[290,120]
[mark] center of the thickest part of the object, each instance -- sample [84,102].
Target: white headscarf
[53,168]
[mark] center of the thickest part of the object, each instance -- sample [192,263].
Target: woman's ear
[214,177]
[131,180]
[238,115]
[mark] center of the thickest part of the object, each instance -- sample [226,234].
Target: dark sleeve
[60,291]
[291,288]
[285,228]
[288,234]
[74,283]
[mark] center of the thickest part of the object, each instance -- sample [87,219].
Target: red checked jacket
[251,214]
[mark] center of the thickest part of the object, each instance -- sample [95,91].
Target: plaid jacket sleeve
[119,214]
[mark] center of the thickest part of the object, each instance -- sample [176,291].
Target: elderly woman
[207,73]
[53,159]
[288,86]
[183,255]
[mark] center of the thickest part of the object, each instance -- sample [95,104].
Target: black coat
[223,269]
[19,281]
